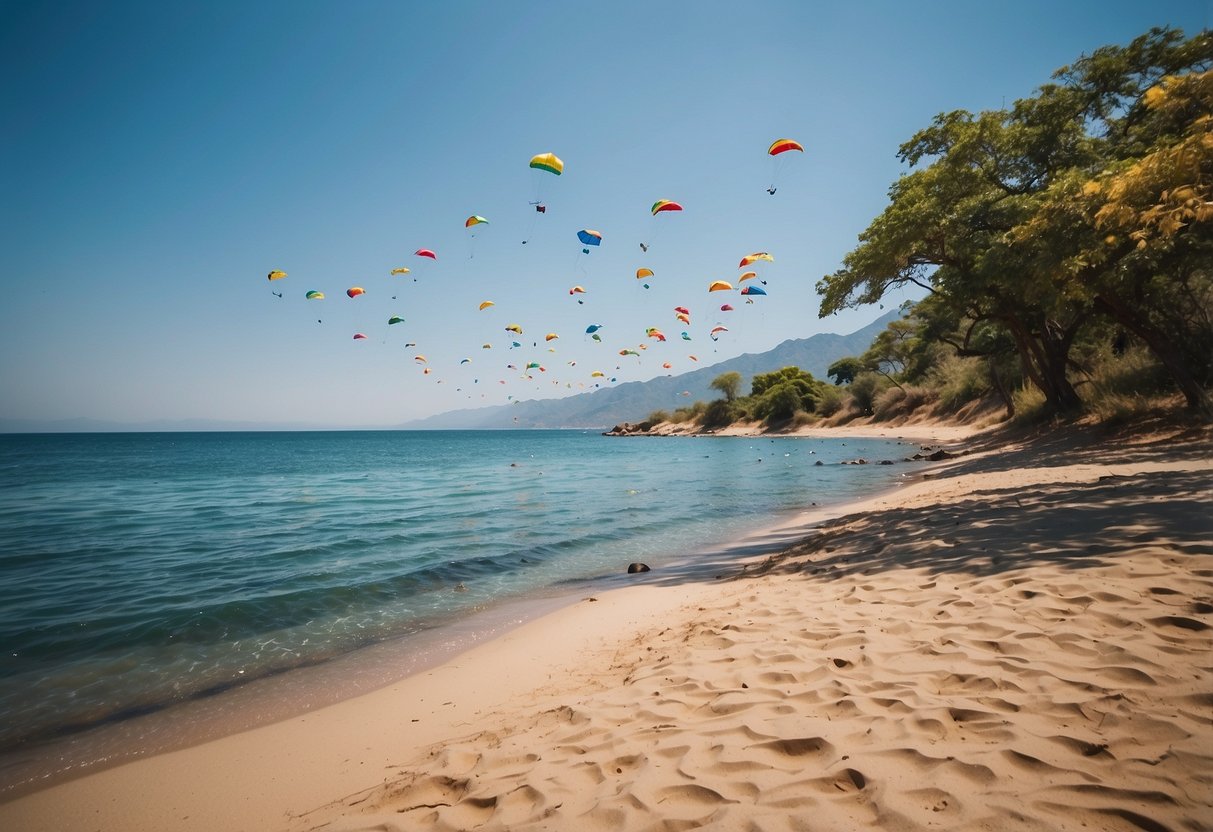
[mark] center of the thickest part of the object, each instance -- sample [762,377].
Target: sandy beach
[1021,638]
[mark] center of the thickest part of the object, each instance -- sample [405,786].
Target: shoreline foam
[1022,638]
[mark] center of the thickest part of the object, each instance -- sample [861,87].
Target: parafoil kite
[486,304]
[776,151]
[720,286]
[654,332]
[355,291]
[686,336]
[718,329]
[314,295]
[401,270]
[783,146]
[542,164]
[425,252]
[514,328]
[475,219]
[753,290]
[597,374]
[549,162]
[395,319]
[750,258]
[643,273]
[747,276]
[465,361]
[577,290]
[592,328]
[589,237]
[665,205]
[551,336]
[726,308]
[629,352]
[358,336]
[276,275]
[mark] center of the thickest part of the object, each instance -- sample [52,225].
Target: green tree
[944,231]
[844,370]
[1136,238]
[942,326]
[890,352]
[864,390]
[991,219]
[780,395]
[729,384]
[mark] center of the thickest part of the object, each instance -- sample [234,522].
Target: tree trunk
[999,385]
[1044,359]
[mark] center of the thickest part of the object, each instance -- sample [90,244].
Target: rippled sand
[1021,641]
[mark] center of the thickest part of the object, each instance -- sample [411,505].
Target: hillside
[634,400]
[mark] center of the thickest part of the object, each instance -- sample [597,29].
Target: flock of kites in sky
[747,284]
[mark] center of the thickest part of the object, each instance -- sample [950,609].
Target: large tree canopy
[1088,201]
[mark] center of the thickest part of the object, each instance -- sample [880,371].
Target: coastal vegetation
[1064,250]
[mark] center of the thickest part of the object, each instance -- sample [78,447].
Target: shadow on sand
[1075,524]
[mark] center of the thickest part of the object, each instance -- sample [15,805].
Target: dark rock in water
[819,462]
[637,567]
[936,456]
[886,462]
[629,429]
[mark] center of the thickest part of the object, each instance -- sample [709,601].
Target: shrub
[1135,372]
[830,401]
[720,413]
[960,381]
[779,404]
[864,390]
[1029,405]
[902,401]
[1124,386]
[690,413]
[658,416]
[785,397]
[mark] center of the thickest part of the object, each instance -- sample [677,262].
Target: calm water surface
[142,570]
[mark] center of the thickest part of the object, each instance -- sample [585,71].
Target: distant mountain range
[600,409]
[85,425]
[634,400]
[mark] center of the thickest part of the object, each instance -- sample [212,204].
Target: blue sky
[157,160]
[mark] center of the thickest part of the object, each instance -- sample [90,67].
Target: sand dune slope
[1014,650]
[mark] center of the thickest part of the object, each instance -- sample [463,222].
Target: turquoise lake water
[142,570]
